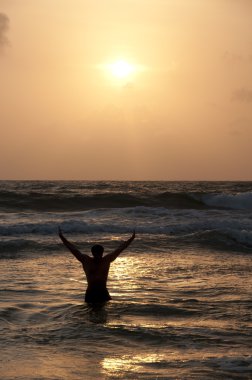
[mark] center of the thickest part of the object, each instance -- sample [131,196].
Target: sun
[121,69]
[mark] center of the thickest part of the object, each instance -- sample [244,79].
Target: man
[96,268]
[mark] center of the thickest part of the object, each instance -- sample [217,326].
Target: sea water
[181,306]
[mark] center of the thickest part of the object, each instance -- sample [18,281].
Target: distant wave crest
[241,201]
[20,201]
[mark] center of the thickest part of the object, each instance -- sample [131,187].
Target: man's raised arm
[79,256]
[113,255]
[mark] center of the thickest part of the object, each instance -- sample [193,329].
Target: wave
[226,238]
[42,237]
[15,244]
[241,201]
[68,201]
[65,202]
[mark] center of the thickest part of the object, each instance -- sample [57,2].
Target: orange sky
[184,114]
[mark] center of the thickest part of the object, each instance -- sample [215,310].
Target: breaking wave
[205,231]
[15,201]
[241,201]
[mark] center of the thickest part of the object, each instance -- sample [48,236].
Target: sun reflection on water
[117,366]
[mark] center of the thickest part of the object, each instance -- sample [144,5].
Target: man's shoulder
[106,259]
[86,258]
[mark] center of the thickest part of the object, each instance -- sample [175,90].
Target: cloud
[242,95]
[4,25]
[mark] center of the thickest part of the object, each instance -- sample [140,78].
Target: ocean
[181,292]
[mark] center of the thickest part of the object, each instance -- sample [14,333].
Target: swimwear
[97,294]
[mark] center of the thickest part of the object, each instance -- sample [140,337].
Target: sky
[182,112]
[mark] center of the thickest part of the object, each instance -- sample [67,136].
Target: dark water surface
[181,305]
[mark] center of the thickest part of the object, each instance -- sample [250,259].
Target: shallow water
[173,315]
[181,305]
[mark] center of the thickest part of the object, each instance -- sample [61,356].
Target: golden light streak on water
[126,364]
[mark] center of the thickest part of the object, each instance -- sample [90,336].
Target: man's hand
[133,235]
[113,255]
[79,256]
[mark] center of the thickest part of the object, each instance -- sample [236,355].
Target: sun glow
[121,69]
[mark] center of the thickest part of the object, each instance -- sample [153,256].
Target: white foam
[236,225]
[241,201]
[243,237]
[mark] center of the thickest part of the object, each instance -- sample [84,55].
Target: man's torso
[96,272]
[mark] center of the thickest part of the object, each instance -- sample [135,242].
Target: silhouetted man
[96,268]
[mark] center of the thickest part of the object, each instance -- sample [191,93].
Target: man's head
[97,251]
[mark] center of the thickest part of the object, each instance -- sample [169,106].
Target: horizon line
[128,180]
